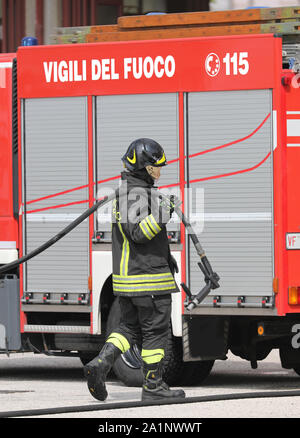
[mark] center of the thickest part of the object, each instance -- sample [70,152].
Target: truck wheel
[127,367]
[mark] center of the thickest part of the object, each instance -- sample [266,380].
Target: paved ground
[30,381]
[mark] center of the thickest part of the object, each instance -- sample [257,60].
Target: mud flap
[205,338]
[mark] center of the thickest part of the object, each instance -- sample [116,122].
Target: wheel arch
[106,300]
[101,287]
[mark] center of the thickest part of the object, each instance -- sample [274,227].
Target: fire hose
[210,277]
[138,404]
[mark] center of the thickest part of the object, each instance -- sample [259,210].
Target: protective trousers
[147,318]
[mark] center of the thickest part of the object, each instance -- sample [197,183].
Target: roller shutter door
[55,154]
[122,119]
[232,131]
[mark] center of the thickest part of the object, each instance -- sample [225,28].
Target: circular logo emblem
[212,64]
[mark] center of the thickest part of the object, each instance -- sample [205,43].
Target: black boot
[97,369]
[154,388]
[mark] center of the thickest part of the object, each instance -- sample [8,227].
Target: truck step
[33,328]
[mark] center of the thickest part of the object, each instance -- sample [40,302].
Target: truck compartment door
[229,142]
[55,160]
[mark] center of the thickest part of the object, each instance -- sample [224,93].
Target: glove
[169,204]
[173,265]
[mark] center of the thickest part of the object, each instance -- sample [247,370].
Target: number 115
[237,63]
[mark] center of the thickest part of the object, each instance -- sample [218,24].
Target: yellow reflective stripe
[142,290]
[154,223]
[123,250]
[154,281]
[153,356]
[137,276]
[145,232]
[127,257]
[148,281]
[150,285]
[144,287]
[119,341]
[150,225]
[125,253]
[148,228]
[133,159]
[162,160]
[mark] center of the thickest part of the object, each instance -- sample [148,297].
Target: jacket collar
[137,180]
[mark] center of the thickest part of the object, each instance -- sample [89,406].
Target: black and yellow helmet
[144,152]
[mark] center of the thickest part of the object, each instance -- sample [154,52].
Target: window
[138,7]
[107,11]
[132,7]
[154,6]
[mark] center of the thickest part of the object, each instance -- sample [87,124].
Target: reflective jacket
[140,247]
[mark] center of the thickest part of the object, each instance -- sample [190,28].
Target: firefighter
[143,273]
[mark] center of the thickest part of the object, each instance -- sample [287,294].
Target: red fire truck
[226,110]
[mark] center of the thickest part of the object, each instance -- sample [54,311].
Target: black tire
[180,373]
[127,367]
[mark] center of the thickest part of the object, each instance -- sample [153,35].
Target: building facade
[40,18]
[219,5]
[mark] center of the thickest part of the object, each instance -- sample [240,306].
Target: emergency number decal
[212,64]
[293,241]
[235,64]
[154,66]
